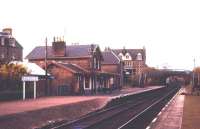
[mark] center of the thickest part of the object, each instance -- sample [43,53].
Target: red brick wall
[61,77]
[110,68]
[136,65]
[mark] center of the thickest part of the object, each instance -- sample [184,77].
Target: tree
[10,74]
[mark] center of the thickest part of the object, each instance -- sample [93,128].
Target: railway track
[135,113]
[142,119]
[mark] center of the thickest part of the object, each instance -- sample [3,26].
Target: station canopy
[32,68]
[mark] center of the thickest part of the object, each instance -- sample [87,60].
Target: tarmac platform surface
[171,115]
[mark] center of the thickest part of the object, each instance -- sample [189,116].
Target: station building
[77,69]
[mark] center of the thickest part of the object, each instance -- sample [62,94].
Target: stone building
[10,49]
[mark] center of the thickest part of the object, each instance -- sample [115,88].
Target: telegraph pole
[46,78]
[92,77]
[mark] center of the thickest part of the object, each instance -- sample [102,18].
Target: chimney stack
[8,31]
[59,47]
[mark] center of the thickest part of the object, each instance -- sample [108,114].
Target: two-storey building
[134,61]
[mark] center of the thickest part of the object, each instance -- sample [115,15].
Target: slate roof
[3,34]
[75,68]
[71,51]
[18,45]
[71,67]
[110,58]
[132,52]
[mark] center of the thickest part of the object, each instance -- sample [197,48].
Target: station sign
[29,78]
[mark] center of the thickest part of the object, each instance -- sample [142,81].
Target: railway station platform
[37,112]
[18,106]
[170,117]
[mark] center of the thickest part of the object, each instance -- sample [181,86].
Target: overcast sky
[169,29]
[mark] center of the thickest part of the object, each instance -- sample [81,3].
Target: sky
[168,29]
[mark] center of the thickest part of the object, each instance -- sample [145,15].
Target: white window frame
[90,84]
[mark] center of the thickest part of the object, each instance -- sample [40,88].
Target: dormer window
[139,56]
[128,56]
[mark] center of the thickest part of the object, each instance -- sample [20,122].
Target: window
[128,56]
[95,63]
[2,56]
[98,64]
[139,56]
[112,81]
[126,63]
[87,81]
[2,41]
[12,42]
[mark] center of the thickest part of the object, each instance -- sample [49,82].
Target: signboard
[29,78]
